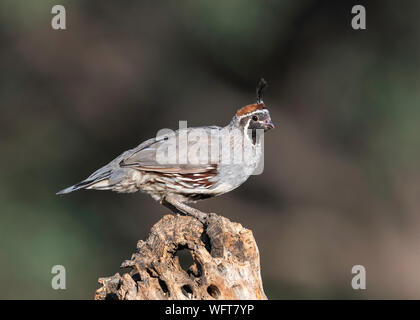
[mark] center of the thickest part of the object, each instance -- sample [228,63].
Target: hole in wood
[164,287]
[206,240]
[187,290]
[213,291]
[111,296]
[185,258]
[149,272]
[136,277]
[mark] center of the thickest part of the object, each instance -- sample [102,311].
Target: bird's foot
[181,208]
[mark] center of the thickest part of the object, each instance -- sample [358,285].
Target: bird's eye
[255,118]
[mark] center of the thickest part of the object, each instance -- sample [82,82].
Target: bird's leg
[179,207]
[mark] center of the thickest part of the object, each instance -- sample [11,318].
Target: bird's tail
[69,189]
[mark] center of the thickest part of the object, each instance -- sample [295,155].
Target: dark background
[341,181]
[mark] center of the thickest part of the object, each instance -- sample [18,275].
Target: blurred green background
[341,181]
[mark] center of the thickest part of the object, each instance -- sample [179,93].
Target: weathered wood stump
[226,263]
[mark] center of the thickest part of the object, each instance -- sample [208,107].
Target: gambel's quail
[189,164]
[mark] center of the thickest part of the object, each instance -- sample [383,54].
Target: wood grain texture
[225,263]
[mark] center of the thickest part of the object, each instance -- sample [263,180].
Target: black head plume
[262,84]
